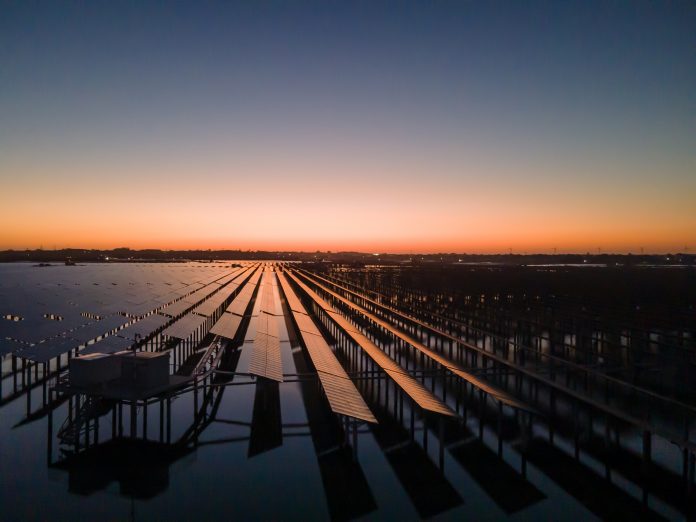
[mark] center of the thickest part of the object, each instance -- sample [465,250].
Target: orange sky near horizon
[444,127]
[268,212]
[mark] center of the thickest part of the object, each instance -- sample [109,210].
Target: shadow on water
[266,424]
[613,452]
[141,467]
[660,482]
[228,363]
[425,484]
[506,486]
[347,491]
[604,499]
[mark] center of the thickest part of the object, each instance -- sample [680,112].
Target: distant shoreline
[124,255]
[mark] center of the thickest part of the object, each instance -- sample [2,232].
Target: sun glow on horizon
[350,134]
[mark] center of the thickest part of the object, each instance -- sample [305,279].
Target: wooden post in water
[145,419]
[500,428]
[442,443]
[49,448]
[28,390]
[647,457]
[133,420]
[482,414]
[161,420]
[169,420]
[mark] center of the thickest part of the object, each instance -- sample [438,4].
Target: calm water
[264,455]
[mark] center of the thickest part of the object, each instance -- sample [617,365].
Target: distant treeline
[151,255]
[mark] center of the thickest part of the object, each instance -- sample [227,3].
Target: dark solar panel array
[340,391]
[414,389]
[65,307]
[265,355]
[228,324]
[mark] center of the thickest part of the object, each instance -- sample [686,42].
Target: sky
[438,126]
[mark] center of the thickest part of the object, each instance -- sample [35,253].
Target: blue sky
[512,103]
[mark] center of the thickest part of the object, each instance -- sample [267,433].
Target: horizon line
[359,252]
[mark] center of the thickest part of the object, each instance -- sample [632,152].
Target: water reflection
[346,489]
[140,467]
[246,440]
[266,424]
[425,484]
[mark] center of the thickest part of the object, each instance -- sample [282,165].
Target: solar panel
[176,309]
[81,295]
[211,305]
[111,344]
[227,326]
[265,357]
[9,346]
[440,359]
[243,298]
[344,398]
[185,327]
[414,389]
[144,327]
[48,350]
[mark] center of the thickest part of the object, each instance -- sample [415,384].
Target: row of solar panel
[41,338]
